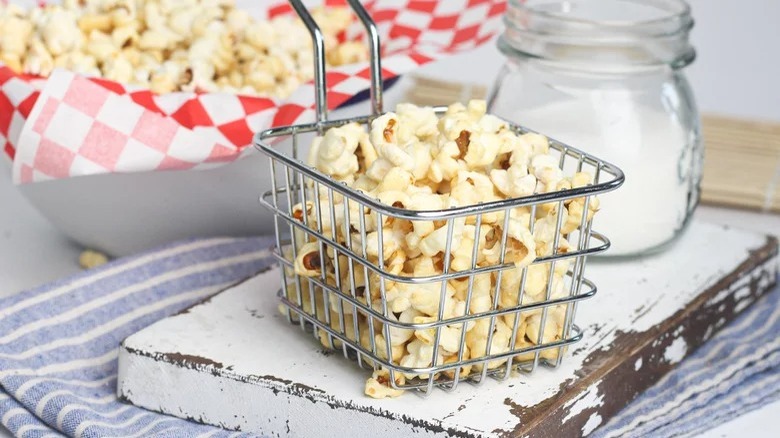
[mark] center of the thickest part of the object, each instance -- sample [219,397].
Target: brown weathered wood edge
[613,372]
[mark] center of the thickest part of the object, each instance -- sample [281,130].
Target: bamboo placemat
[742,157]
[742,163]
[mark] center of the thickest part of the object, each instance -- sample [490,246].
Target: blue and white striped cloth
[58,350]
[59,342]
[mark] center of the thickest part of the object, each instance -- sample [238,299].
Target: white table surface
[736,74]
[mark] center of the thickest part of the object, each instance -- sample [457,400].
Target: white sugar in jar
[605,76]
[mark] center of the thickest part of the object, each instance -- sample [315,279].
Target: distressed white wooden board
[234,361]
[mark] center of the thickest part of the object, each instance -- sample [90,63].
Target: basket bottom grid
[445,376]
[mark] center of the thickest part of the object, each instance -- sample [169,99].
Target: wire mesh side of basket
[344,294]
[373,343]
[352,311]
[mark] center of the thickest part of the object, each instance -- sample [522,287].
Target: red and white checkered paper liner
[69,125]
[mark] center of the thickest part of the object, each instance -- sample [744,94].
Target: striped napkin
[58,350]
[58,343]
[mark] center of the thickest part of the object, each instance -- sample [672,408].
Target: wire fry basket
[344,304]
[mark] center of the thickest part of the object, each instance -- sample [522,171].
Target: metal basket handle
[318,43]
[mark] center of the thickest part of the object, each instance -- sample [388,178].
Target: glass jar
[605,76]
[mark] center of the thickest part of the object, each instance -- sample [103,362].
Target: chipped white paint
[742,293]
[722,295]
[638,364]
[593,422]
[708,333]
[676,351]
[742,285]
[241,329]
[588,399]
[740,306]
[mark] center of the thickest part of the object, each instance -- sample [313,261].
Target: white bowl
[125,213]
[122,214]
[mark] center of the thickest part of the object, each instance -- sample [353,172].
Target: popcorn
[546,170]
[399,297]
[335,154]
[537,142]
[395,178]
[15,31]
[395,263]
[396,351]
[536,278]
[416,122]
[514,182]
[426,298]
[59,31]
[464,371]
[391,242]
[93,21]
[364,184]
[118,69]
[12,60]
[401,147]
[305,303]
[38,61]
[421,157]
[476,108]
[335,323]
[544,235]
[332,20]
[366,154]
[378,386]
[169,77]
[449,339]
[123,12]
[308,262]
[350,52]
[213,48]
[399,336]
[100,45]
[481,299]
[446,164]
[225,48]
[419,355]
[482,149]
[469,188]
[553,330]
[462,256]
[383,137]
[436,242]
[89,259]
[491,124]
[299,212]
[575,213]
[182,22]
[425,267]
[477,341]
[394,198]
[581,179]
[413,160]
[520,245]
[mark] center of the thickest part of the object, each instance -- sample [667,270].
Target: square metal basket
[345,306]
